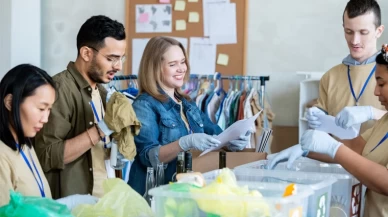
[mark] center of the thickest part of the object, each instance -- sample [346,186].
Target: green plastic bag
[120,200]
[20,206]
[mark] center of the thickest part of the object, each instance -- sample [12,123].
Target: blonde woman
[171,123]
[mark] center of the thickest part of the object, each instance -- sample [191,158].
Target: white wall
[5,36]
[61,20]
[20,35]
[283,37]
[299,35]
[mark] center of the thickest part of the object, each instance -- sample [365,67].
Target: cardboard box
[210,161]
[284,137]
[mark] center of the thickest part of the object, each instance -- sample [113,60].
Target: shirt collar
[350,61]
[170,103]
[79,79]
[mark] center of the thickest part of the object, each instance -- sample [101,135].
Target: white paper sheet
[205,8]
[154,18]
[328,125]
[222,21]
[202,56]
[233,132]
[138,46]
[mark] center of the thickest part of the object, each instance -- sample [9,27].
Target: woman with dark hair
[27,95]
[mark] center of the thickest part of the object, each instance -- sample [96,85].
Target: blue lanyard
[40,182]
[363,88]
[97,118]
[381,141]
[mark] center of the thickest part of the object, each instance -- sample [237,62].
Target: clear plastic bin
[346,195]
[186,204]
[319,202]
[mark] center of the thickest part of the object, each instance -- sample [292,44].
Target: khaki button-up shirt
[70,116]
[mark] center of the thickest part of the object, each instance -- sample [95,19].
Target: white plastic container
[181,204]
[319,202]
[346,196]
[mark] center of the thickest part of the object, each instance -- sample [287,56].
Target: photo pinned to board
[153,18]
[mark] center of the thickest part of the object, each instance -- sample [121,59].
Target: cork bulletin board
[236,52]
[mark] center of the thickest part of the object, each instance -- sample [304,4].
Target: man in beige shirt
[71,146]
[347,90]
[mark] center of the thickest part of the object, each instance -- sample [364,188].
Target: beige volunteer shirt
[376,205]
[335,93]
[16,175]
[99,153]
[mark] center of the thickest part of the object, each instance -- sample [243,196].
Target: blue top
[162,124]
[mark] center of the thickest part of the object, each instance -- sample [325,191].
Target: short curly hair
[94,31]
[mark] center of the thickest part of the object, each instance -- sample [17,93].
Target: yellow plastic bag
[119,200]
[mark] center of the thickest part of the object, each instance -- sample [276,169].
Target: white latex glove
[198,141]
[290,155]
[353,115]
[74,200]
[312,118]
[320,142]
[240,143]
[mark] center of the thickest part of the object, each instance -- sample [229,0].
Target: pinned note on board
[164,1]
[223,59]
[192,0]
[193,17]
[180,25]
[143,18]
[180,5]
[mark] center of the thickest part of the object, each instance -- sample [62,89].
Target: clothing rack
[217,76]
[262,79]
[237,80]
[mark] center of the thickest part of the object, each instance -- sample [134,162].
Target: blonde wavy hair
[150,69]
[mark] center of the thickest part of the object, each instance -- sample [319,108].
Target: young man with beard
[70,147]
[347,90]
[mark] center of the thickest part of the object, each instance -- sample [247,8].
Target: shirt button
[90,169]
[201,125]
[89,89]
[90,123]
[173,125]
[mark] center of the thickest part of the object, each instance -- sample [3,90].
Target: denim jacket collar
[170,103]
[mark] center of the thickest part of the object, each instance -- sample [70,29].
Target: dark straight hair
[21,82]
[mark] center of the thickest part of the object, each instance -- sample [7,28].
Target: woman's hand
[198,141]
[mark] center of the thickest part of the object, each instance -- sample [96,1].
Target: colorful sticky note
[144,17]
[180,5]
[193,1]
[180,25]
[164,1]
[223,59]
[193,17]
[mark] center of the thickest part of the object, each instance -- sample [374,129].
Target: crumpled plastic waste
[225,185]
[119,200]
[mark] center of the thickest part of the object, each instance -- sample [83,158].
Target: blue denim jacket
[162,124]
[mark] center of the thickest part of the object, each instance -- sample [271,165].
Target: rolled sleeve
[322,99]
[367,134]
[50,141]
[147,138]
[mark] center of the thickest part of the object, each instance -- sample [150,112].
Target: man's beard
[95,73]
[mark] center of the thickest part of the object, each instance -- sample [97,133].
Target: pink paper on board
[164,1]
[143,18]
